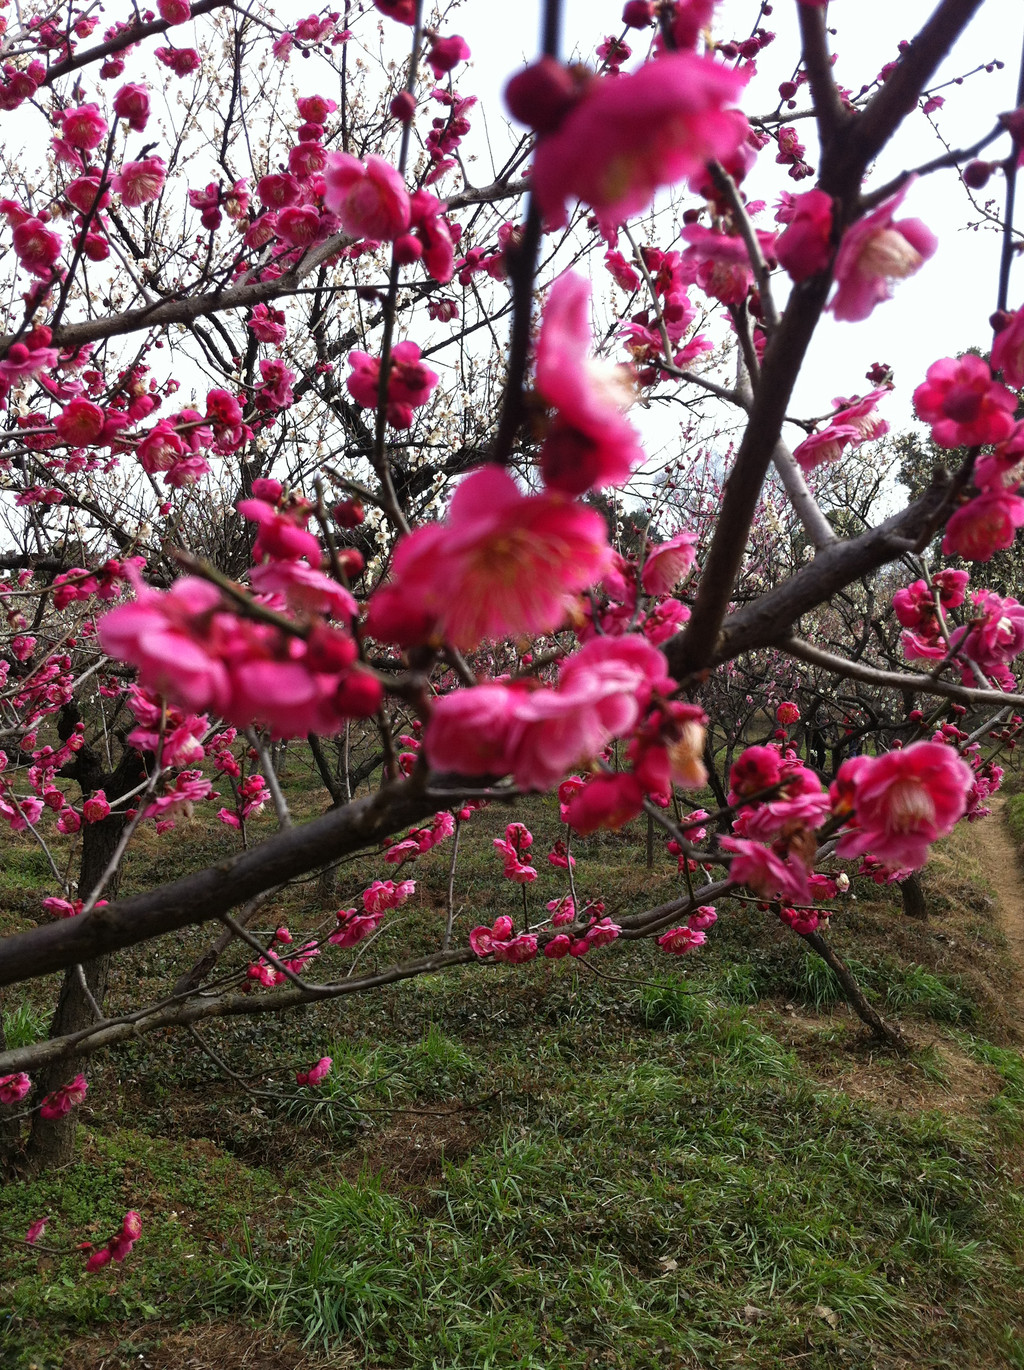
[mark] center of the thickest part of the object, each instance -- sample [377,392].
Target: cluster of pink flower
[165,730]
[515,842]
[918,614]
[418,841]
[854,422]
[378,899]
[316,1073]
[264,972]
[77,584]
[900,803]
[251,796]
[682,940]
[656,126]
[589,442]
[967,408]
[642,335]
[120,1244]
[538,734]
[894,806]
[68,908]
[187,644]
[990,640]
[409,385]
[501,565]
[781,804]
[14,1088]
[60,1103]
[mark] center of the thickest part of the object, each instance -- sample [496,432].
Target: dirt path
[1004,873]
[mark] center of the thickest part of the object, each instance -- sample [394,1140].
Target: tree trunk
[914,905]
[51,1142]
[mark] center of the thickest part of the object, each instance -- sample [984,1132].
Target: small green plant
[23,1025]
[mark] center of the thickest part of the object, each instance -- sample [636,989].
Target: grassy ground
[629,1162]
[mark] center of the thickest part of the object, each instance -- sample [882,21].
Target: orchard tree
[311,439]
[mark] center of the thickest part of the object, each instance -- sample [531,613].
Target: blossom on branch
[628,135]
[898,804]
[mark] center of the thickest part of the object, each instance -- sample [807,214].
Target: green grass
[628,1209]
[23,1025]
[628,1162]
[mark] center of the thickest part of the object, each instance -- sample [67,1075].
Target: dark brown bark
[51,1142]
[914,904]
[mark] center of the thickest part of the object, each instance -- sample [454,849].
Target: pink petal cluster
[805,246]
[964,405]
[602,692]
[915,609]
[900,803]
[138,183]
[628,135]
[854,422]
[316,1073]
[501,565]
[445,54]
[410,382]
[60,1103]
[721,262]
[874,252]
[387,894]
[590,442]
[669,563]
[993,638]
[680,941]
[369,198]
[1008,350]
[515,842]
[14,1088]
[119,1245]
[353,927]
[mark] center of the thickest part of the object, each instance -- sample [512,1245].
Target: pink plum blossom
[83,127]
[681,941]
[96,808]
[1008,350]
[964,405]
[590,442]
[316,1073]
[410,382]
[445,54]
[483,940]
[628,135]
[984,525]
[721,261]
[14,1088]
[36,246]
[805,246]
[137,183]
[60,1103]
[131,105]
[765,871]
[874,252]
[669,563]
[369,198]
[502,564]
[900,803]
